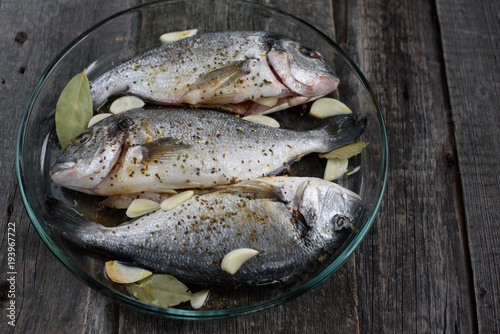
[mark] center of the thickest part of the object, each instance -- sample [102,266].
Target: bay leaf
[346,151]
[161,290]
[73,109]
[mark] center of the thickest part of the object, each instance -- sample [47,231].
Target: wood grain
[430,262]
[412,269]
[48,298]
[470,34]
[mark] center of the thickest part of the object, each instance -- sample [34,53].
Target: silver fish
[241,71]
[291,221]
[174,148]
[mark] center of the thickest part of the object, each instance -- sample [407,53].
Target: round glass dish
[132,32]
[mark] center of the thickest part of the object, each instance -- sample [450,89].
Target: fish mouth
[61,167]
[351,195]
[322,84]
[86,178]
[304,81]
[66,174]
[328,83]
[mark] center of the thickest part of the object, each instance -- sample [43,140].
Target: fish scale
[290,231]
[160,149]
[229,70]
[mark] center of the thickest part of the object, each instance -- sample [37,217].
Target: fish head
[329,210]
[302,69]
[90,157]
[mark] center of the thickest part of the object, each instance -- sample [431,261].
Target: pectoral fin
[162,149]
[206,87]
[254,189]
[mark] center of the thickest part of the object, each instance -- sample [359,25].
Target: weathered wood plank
[48,299]
[412,267]
[470,33]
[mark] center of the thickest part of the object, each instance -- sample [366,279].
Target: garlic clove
[97,118]
[335,168]
[327,107]
[121,273]
[170,37]
[125,103]
[262,120]
[199,299]
[140,207]
[233,260]
[267,101]
[176,200]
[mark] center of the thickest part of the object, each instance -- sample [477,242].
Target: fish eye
[340,222]
[310,53]
[122,125]
[84,138]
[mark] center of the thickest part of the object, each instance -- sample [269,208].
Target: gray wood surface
[431,261]
[412,272]
[431,264]
[471,46]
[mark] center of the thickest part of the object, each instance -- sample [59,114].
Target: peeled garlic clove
[267,101]
[125,103]
[97,118]
[176,200]
[199,298]
[170,37]
[262,120]
[335,168]
[121,273]
[140,207]
[235,258]
[327,107]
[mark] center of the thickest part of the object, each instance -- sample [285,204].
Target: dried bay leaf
[73,109]
[160,290]
[346,151]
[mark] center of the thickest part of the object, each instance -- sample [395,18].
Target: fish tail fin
[341,130]
[70,224]
[104,86]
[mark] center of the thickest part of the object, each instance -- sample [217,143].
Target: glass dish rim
[197,314]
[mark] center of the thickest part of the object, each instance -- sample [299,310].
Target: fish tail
[341,130]
[104,86]
[70,224]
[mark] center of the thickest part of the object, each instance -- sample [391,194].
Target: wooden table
[431,262]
